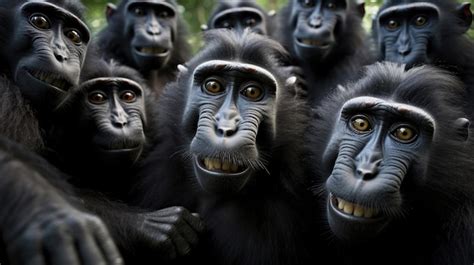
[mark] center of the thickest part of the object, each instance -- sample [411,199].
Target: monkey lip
[313,43]
[353,209]
[121,150]
[54,80]
[152,51]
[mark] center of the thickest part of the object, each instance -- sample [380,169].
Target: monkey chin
[348,225]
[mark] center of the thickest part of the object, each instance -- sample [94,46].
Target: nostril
[229,133]
[365,174]
[60,58]
[119,124]
[225,132]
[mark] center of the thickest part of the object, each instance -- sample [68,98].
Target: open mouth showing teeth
[314,43]
[354,209]
[152,50]
[221,166]
[52,79]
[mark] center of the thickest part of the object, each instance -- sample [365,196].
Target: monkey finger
[108,247]
[60,248]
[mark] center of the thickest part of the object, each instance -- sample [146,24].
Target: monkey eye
[74,36]
[164,14]
[40,22]
[250,22]
[360,124]
[128,96]
[420,21]
[97,98]
[393,25]
[307,3]
[213,87]
[226,24]
[404,134]
[331,5]
[253,93]
[138,11]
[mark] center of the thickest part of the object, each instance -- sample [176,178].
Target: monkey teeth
[316,43]
[355,209]
[52,79]
[219,165]
[152,50]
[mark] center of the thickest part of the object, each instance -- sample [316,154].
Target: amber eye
[97,98]
[138,11]
[361,124]
[420,21]
[74,36]
[404,134]
[253,93]
[40,22]
[128,97]
[213,87]
[307,3]
[392,25]
[331,5]
[250,22]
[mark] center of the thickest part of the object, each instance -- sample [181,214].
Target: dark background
[196,13]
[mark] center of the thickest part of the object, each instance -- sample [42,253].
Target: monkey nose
[154,30]
[368,170]
[315,22]
[404,50]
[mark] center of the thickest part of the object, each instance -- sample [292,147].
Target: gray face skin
[47,51]
[376,144]
[406,32]
[113,118]
[233,104]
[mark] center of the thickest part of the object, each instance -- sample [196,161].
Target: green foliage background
[196,13]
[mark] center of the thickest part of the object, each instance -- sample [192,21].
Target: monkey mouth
[313,43]
[353,209]
[221,177]
[51,79]
[353,222]
[152,51]
[220,166]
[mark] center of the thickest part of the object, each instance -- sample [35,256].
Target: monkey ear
[361,9]
[182,69]
[341,89]
[465,14]
[462,127]
[110,10]
[271,13]
[204,27]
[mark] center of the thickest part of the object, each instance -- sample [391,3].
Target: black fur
[435,224]
[111,39]
[41,220]
[451,47]
[266,222]
[353,49]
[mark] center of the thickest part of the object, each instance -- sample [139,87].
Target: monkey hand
[58,235]
[172,231]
